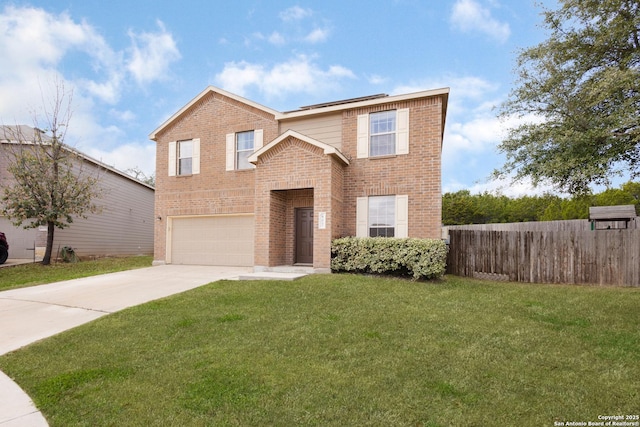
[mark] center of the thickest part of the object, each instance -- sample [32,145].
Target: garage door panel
[215,240]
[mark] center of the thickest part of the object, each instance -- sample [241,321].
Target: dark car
[4,248]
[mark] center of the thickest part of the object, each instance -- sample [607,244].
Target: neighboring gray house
[123,227]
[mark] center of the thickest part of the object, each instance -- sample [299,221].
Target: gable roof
[311,110]
[328,149]
[27,135]
[22,133]
[201,95]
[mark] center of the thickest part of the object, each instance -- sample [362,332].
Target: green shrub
[420,258]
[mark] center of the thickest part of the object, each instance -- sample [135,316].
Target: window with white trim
[184,157]
[382,216]
[244,148]
[384,133]
[240,146]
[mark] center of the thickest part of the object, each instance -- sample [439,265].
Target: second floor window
[240,146]
[185,157]
[244,148]
[382,133]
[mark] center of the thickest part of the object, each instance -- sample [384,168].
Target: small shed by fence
[611,217]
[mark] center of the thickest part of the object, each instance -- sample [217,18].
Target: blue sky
[131,64]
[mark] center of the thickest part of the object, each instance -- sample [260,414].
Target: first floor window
[185,157]
[244,148]
[382,216]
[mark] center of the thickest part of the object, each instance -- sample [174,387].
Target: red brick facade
[298,171]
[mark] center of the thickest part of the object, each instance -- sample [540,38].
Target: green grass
[25,275]
[342,350]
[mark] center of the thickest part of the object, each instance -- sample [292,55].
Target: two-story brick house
[238,183]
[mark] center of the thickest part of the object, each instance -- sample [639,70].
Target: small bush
[420,258]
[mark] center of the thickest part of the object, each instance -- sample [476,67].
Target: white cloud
[152,54]
[127,156]
[35,47]
[476,134]
[317,36]
[236,76]
[33,44]
[510,188]
[472,133]
[107,91]
[463,87]
[470,145]
[465,93]
[33,37]
[276,38]
[375,79]
[123,116]
[470,16]
[298,75]
[505,186]
[295,13]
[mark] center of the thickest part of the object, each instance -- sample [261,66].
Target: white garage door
[212,240]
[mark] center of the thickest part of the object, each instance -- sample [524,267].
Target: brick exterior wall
[214,190]
[293,174]
[417,174]
[296,174]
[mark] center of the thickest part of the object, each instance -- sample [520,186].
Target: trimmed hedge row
[420,258]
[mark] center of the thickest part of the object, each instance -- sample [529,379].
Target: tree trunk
[47,253]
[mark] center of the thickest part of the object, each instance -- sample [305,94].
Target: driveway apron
[31,314]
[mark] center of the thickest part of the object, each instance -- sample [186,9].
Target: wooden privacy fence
[603,257]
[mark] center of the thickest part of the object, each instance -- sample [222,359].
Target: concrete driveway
[31,314]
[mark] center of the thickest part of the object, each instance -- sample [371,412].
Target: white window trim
[258,142]
[401,227]
[402,134]
[238,150]
[173,157]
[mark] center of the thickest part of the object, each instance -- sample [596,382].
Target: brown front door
[304,236]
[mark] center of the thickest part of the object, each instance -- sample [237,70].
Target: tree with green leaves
[50,186]
[578,93]
[462,207]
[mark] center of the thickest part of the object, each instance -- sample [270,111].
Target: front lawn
[25,275]
[346,350]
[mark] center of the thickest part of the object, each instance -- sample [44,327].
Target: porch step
[296,268]
[271,275]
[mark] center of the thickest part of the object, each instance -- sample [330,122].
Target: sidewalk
[31,314]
